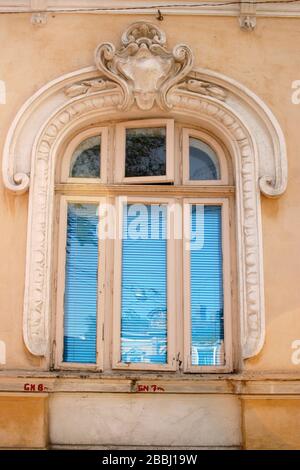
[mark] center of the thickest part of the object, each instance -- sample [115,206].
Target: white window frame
[120,155]
[171,364]
[59,363]
[188,367]
[178,322]
[72,146]
[207,139]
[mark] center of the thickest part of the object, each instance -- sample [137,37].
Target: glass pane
[145,152]
[207,322]
[204,163]
[80,303]
[86,159]
[144,285]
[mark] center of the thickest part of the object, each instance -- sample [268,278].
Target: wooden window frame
[72,146]
[171,364]
[120,155]
[59,363]
[207,139]
[175,280]
[215,192]
[227,367]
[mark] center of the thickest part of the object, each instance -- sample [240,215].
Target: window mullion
[102,280]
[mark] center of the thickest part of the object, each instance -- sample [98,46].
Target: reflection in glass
[204,163]
[80,302]
[145,152]
[144,286]
[206,271]
[86,159]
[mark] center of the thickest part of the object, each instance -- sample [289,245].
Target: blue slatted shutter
[144,285]
[206,288]
[81,273]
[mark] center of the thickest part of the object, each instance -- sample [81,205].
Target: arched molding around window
[118,89]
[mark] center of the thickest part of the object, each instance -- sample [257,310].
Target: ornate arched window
[144,142]
[160,237]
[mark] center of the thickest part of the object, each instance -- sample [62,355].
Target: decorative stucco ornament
[89,86]
[203,88]
[143,67]
[140,76]
[247,17]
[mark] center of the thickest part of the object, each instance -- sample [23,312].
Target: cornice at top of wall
[288,10]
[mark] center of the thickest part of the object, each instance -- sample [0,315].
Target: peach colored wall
[266,61]
[23,421]
[271,424]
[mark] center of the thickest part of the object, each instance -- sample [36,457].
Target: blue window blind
[206,284]
[144,285]
[80,302]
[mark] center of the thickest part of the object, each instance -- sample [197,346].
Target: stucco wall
[271,424]
[23,421]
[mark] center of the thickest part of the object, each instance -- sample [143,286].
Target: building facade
[149,243]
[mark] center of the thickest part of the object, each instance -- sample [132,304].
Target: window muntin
[151,165]
[207,306]
[169,321]
[85,162]
[204,160]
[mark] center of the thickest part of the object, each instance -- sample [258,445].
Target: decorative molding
[247,18]
[247,22]
[89,86]
[143,67]
[116,7]
[39,15]
[2,352]
[39,5]
[2,92]
[237,116]
[203,88]
[39,19]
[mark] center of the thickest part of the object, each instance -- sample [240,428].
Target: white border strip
[289,10]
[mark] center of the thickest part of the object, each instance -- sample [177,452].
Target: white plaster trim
[268,10]
[2,92]
[41,105]
[247,18]
[2,352]
[240,119]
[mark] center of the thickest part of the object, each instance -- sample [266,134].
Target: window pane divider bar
[167,190]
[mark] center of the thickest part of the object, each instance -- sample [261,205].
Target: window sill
[260,383]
